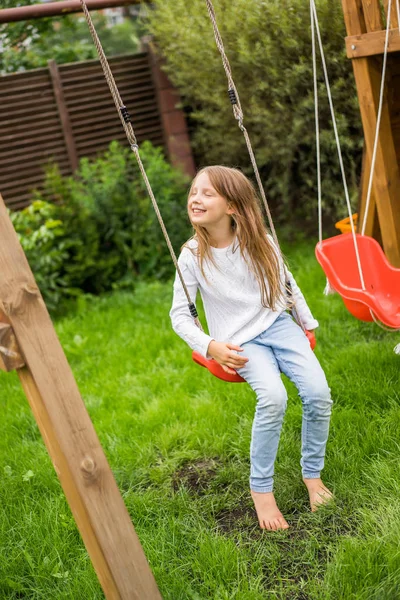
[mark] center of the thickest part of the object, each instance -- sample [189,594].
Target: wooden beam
[370,44]
[354,17]
[76,453]
[64,115]
[372,225]
[372,15]
[386,181]
[52,9]
[394,20]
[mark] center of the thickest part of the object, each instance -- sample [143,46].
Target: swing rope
[239,116]
[315,24]
[128,127]
[316,111]
[238,113]
[130,134]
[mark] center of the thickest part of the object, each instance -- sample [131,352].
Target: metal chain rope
[130,134]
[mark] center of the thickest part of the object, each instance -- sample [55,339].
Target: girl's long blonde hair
[248,225]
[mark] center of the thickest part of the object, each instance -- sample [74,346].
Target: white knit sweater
[231,299]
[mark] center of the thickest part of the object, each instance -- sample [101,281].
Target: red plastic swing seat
[216,369]
[337,257]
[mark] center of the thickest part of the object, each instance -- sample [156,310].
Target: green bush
[269,48]
[98,230]
[59,247]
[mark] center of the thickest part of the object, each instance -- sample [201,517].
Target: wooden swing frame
[365,45]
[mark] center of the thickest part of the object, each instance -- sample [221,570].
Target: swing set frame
[29,344]
[364,20]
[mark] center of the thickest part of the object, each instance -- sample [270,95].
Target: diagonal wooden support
[68,432]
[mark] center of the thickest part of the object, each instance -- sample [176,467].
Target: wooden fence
[65,112]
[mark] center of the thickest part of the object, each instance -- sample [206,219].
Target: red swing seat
[216,369]
[337,257]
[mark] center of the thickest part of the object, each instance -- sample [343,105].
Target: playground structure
[28,342]
[354,263]
[365,26]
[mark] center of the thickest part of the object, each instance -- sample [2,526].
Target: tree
[268,43]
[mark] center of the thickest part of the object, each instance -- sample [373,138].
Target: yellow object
[344,224]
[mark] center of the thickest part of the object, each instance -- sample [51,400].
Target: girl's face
[205,205]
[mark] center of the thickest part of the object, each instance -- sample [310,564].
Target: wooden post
[177,141]
[364,17]
[64,115]
[372,225]
[394,22]
[68,432]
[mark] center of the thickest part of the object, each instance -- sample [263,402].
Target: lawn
[178,442]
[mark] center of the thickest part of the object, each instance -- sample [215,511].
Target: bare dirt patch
[196,476]
[239,518]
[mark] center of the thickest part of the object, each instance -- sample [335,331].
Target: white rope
[381,324]
[328,89]
[317,142]
[378,118]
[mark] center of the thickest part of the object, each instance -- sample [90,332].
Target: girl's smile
[205,204]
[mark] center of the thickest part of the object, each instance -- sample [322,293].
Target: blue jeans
[283,347]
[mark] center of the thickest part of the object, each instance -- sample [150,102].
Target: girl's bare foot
[268,513]
[318,492]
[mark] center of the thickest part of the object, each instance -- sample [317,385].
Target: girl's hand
[224,353]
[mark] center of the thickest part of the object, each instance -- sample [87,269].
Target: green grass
[178,441]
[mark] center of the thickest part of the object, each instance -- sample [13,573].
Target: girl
[240,274]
